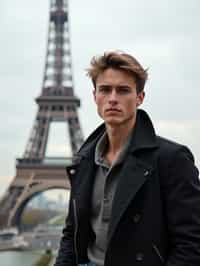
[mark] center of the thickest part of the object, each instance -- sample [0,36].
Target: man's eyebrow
[104,86]
[117,86]
[123,86]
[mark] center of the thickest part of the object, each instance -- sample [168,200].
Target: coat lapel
[131,179]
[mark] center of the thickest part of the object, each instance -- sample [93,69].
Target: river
[18,258]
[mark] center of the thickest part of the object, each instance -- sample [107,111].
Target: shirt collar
[102,145]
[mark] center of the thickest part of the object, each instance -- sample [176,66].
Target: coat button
[146,173]
[139,256]
[136,218]
[72,171]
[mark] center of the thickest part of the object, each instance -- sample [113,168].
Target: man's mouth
[113,110]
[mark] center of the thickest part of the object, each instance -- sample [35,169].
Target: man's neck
[117,137]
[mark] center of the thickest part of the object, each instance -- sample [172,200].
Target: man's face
[116,97]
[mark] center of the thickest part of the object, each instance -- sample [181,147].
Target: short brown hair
[120,61]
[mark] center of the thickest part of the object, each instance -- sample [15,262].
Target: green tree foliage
[33,217]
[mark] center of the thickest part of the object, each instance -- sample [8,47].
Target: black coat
[156,209]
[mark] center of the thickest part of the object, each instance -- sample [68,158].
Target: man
[135,197]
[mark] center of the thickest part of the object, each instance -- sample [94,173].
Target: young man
[135,197]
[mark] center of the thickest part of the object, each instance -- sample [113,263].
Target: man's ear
[140,98]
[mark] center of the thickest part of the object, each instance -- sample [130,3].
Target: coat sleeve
[66,253]
[182,205]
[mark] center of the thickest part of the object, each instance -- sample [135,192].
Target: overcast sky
[163,35]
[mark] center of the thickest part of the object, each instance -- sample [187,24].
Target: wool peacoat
[155,217]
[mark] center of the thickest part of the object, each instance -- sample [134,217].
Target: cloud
[184,132]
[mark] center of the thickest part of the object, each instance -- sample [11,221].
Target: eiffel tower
[35,172]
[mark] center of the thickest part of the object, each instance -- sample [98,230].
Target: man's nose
[113,96]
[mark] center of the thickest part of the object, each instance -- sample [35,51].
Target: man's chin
[112,122]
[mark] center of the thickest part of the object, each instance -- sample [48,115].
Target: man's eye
[104,89]
[123,90]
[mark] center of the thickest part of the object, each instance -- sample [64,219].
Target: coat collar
[143,137]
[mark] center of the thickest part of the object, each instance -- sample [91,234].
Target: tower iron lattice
[34,171]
